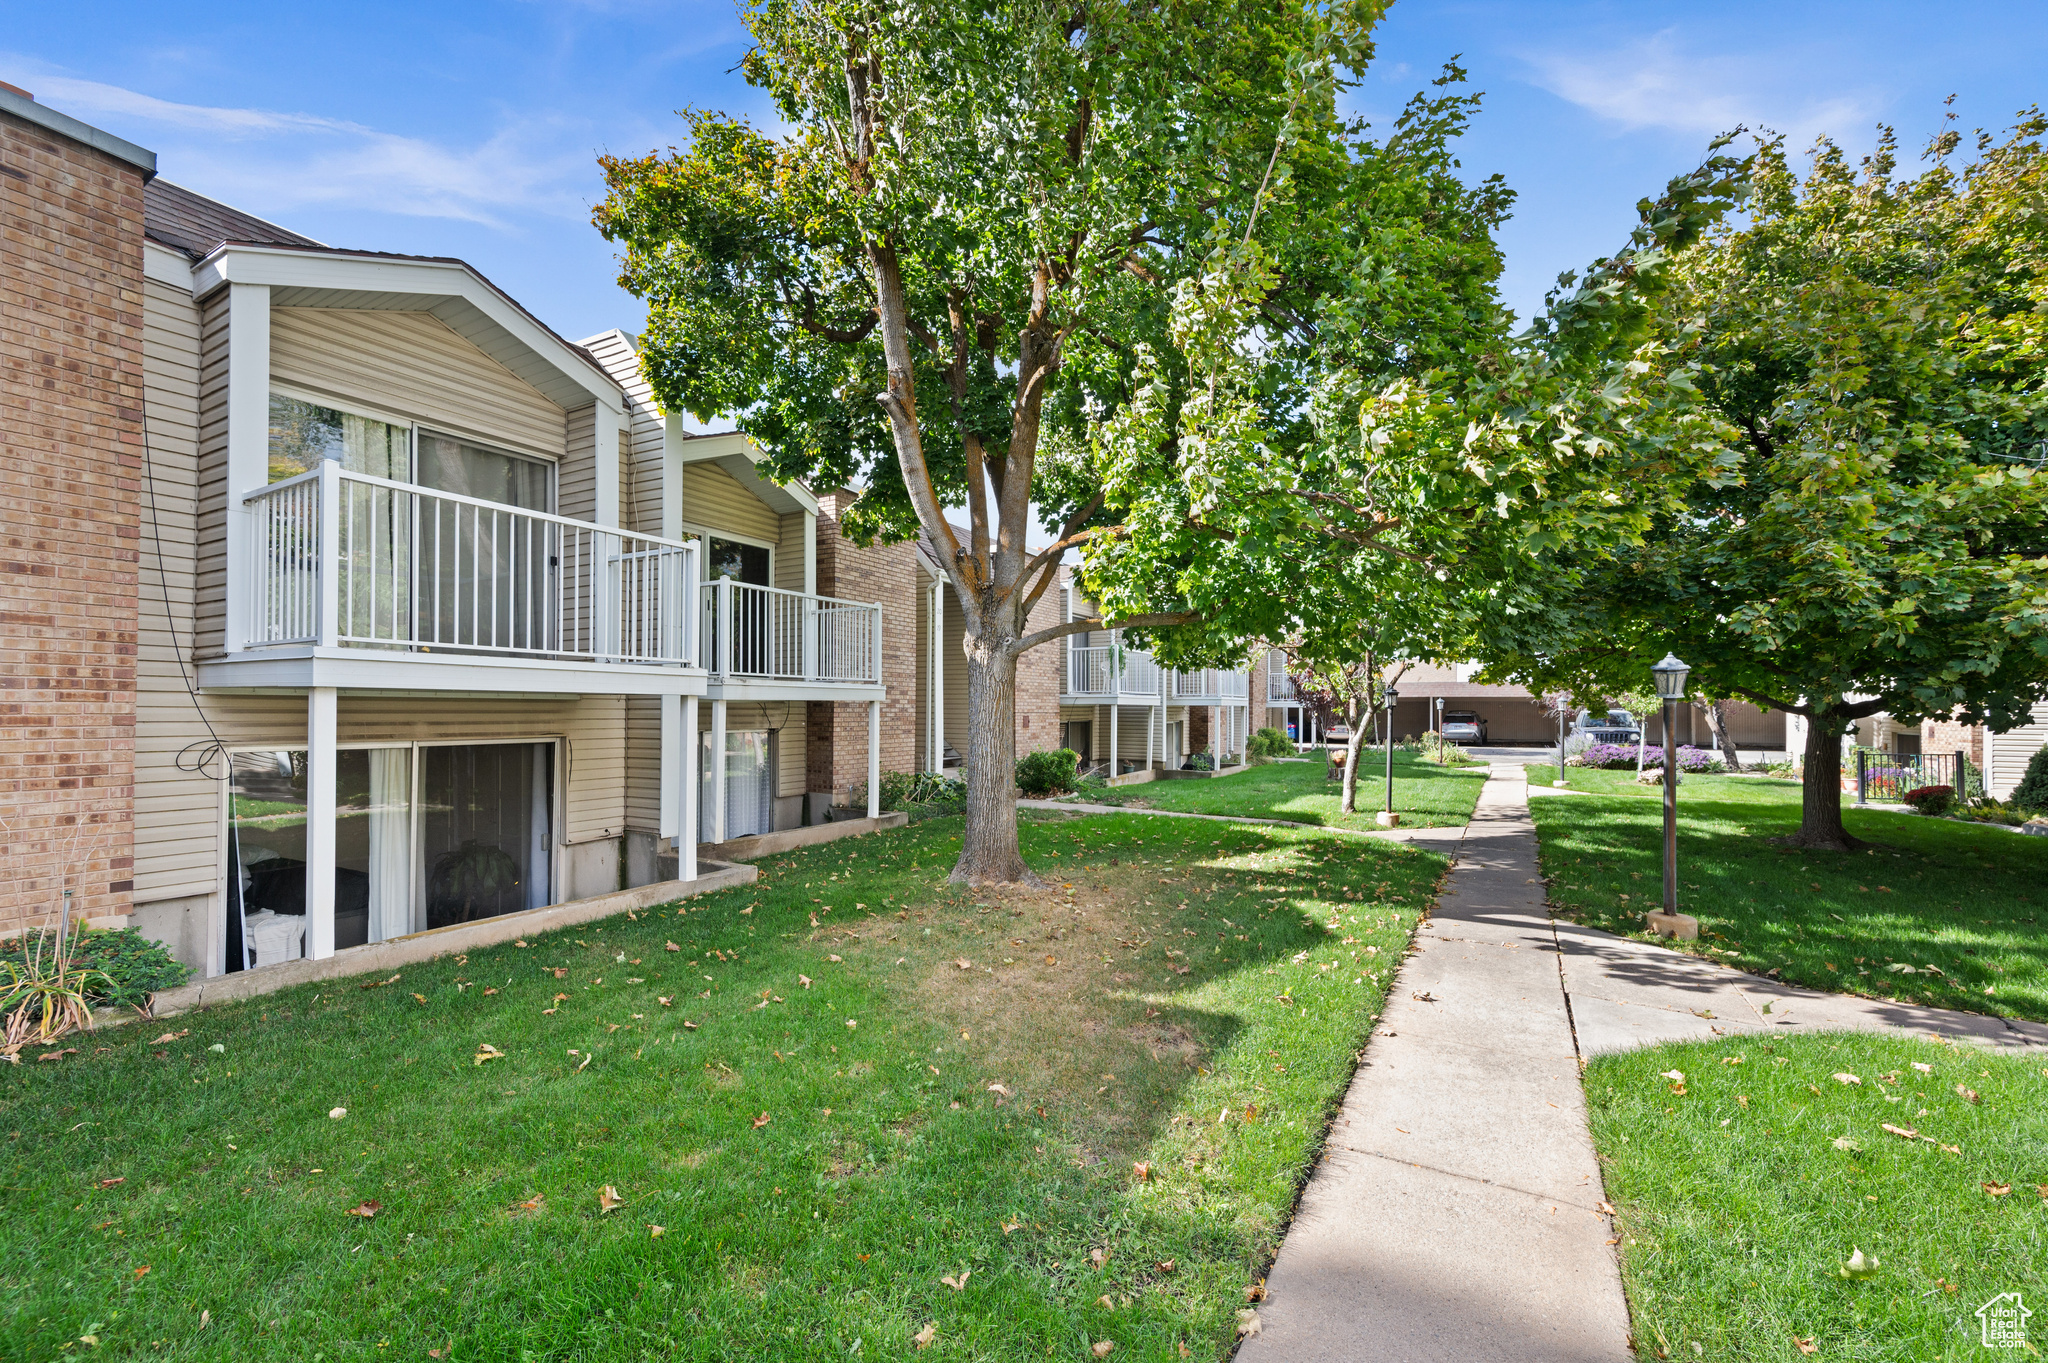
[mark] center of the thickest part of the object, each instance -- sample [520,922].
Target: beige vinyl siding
[2006,755]
[642,767]
[921,672]
[714,499]
[954,720]
[173,809]
[789,553]
[213,477]
[576,483]
[641,436]
[411,364]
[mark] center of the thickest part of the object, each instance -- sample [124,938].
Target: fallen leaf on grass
[112,1182]
[1805,1346]
[1675,1076]
[925,1336]
[1924,1069]
[957,1283]
[1841,1078]
[835,959]
[1001,1090]
[366,1209]
[671,946]
[1143,1170]
[490,991]
[655,1232]
[530,1207]
[140,1271]
[378,984]
[1255,1291]
[1098,1256]
[1164,1265]
[1101,1348]
[70,1050]
[1009,1226]
[1247,1323]
[966,964]
[1858,1267]
[1968,1094]
[689,1026]
[170,1036]
[420,997]
[1902,1132]
[608,1199]
[1997,1189]
[804,980]
[762,1121]
[1105,1303]
[486,1051]
[1844,1143]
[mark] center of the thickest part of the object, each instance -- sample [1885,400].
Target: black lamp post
[1392,696]
[1670,675]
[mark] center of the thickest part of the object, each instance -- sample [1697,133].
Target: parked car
[1614,726]
[1463,726]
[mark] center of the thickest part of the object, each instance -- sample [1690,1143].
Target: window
[747,563]
[304,433]
[749,784]
[452,465]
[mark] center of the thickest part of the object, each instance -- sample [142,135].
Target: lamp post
[1388,818]
[1670,675]
[1560,741]
[1439,729]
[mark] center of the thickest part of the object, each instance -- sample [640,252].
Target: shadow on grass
[1959,905]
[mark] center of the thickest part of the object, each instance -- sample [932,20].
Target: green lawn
[1742,1197]
[1960,903]
[1425,795]
[801,1097]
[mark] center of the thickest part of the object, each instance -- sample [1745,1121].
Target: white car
[1463,726]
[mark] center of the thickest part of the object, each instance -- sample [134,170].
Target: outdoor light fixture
[1671,675]
[1388,818]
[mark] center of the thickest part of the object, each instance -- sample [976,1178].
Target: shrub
[1931,799]
[1270,742]
[922,793]
[1040,774]
[2032,792]
[1614,756]
[1202,761]
[126,966]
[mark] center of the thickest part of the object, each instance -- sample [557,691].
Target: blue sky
[469,129]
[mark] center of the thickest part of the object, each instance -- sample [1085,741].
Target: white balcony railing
[1094,671]
[769,633]
[347,559]
[1279,689]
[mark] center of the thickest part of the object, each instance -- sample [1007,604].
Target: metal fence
[768,632]
[1887,778]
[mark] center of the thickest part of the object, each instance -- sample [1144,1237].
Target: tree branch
[1163,620]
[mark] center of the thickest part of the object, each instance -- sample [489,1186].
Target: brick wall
[1945,736]
[1038,681]
[836,758]
[70,482]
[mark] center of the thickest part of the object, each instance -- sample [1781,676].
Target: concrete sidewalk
[1456,1213]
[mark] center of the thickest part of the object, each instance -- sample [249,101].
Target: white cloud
[272,162]
[1653,83]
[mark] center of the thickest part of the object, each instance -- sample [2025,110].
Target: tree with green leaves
[1871,352]
[1082,263]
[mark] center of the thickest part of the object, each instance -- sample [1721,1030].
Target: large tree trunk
[988,849]
[1717,724]
[1820,822]
[1354,721]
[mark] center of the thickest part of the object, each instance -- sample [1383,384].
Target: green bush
[1269,742]
[1040,774]
[1935,800]
[922,793]
[2031,794]
[1202,761]
[133,966]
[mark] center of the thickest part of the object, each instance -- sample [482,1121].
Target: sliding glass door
[486,829]
[423,837]
[749,784]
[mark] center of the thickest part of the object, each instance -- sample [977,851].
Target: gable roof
[174,216]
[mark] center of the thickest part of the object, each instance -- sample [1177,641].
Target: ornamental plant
[1934,800]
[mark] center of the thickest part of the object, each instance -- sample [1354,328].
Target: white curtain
[749,785]
[390,843]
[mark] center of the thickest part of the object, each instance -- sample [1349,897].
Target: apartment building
[347,600]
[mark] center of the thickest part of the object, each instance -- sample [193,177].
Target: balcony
[1106,672]
[1280,689]
[766,642]
[355,575]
